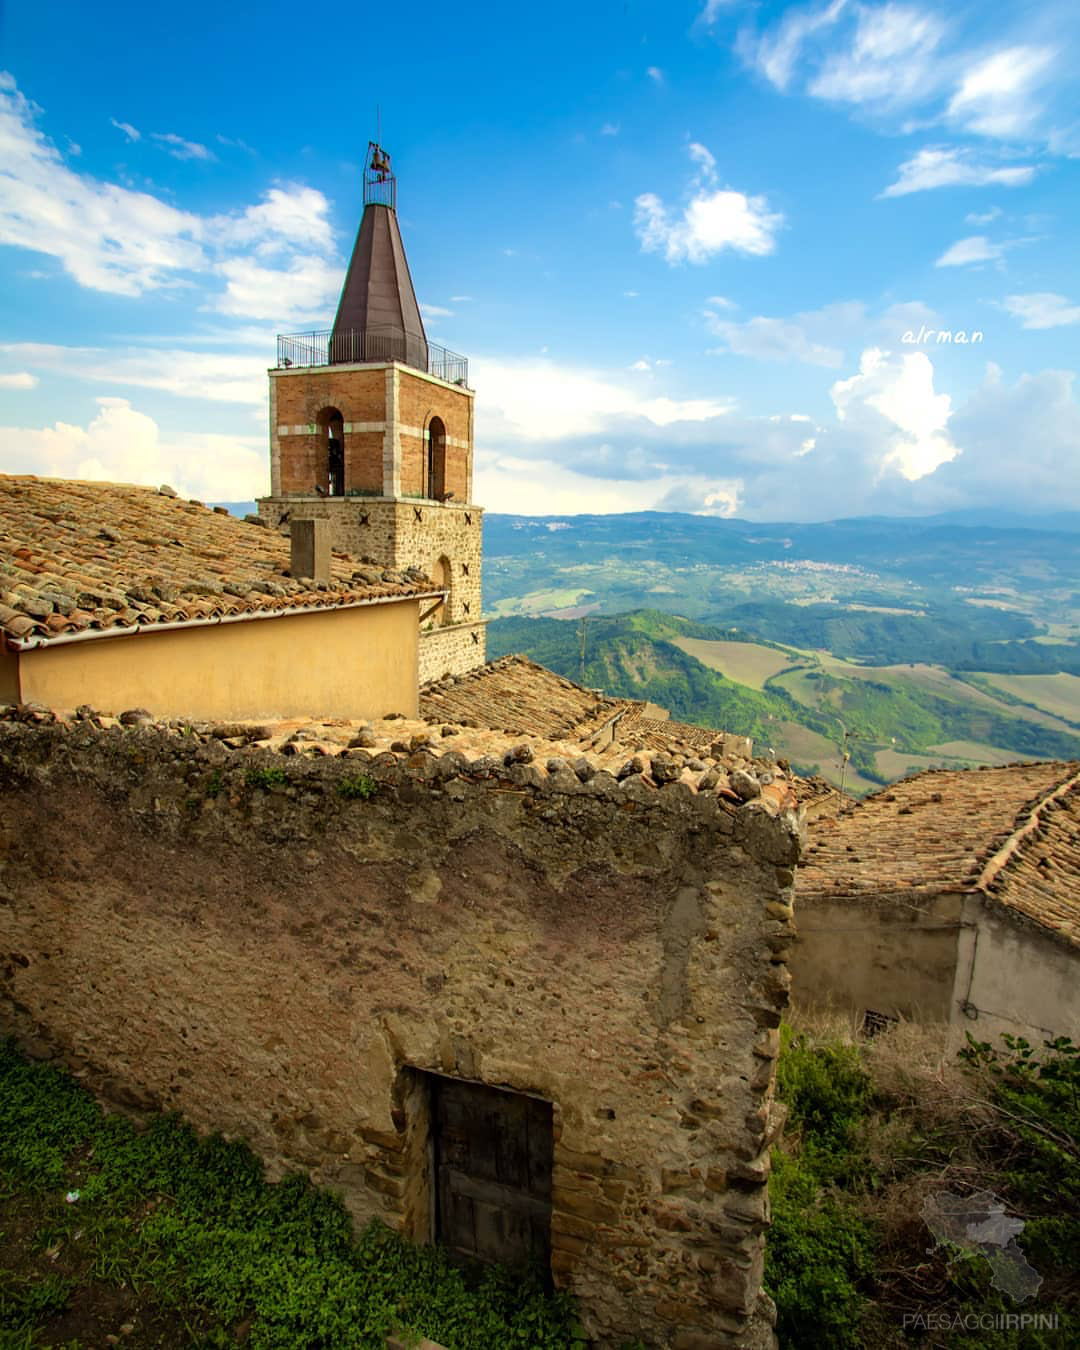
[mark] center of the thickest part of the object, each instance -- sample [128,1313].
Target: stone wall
[892,954]
[231,934]
[452,650]
[401,534]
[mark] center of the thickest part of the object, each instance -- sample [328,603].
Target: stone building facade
[952,896]
[325,952]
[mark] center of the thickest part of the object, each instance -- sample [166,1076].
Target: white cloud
[640,364]
[944,167]
[19,379]
[1042,310]
[219,377]
[532,400]
[776,54]
[712,10]
[655,74]
[714,219]
[234,143]
[180,148]
[304,289]
[997,96]
[435,312]
[460,299]
[773,340]
[128,130]
[889,61]
[610,129]
[816,337]
[983,217]
[289,216]
[929,63]
[975,249]
[900,389]
[123,445]
[112,239]
[107,237]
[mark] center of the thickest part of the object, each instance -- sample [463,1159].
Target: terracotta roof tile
[1039,875]
[82,556]
[516,695]
[941,830]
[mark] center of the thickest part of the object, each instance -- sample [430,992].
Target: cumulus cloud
[112,239]
[899,390]
[951,167]
[123,445]
[714,219]
[533,400]
[1043,309]
[895,442]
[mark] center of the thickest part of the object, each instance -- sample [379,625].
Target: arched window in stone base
[442,574]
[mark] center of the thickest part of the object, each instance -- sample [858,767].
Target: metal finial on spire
[380,185]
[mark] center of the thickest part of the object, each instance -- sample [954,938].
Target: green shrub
[267,777]
[192,1226]
[360,787]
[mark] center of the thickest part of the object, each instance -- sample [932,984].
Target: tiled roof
[934,831]
[1039,875]
[96,556]
[516,695]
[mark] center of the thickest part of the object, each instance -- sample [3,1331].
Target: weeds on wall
[875,1129]
[160,1238]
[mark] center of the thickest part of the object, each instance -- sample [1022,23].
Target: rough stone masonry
[283,948]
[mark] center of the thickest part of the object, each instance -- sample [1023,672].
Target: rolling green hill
[808,711]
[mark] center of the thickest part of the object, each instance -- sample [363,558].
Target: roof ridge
[994,866]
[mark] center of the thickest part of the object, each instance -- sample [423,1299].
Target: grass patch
[359,787]
[165,1239]
[875,1128]
[266,778]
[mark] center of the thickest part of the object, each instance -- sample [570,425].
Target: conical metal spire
[378,318]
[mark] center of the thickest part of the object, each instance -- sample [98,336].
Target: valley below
[860,650]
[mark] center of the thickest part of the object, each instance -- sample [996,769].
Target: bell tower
[371,430]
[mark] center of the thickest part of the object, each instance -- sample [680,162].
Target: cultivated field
[747,662]
[1055,694]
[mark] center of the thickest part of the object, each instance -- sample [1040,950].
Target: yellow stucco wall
[335,663]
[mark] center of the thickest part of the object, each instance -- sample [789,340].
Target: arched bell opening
[331,426]
[435,468]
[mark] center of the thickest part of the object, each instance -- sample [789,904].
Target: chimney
[310,557]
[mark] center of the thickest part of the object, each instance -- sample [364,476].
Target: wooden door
[493,1152]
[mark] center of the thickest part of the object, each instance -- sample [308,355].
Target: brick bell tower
[371,430]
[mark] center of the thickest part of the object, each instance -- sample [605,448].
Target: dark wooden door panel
[493,1155]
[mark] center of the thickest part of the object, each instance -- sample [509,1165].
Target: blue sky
[691,250]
